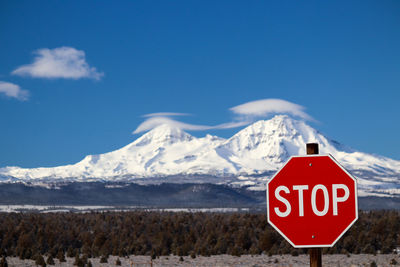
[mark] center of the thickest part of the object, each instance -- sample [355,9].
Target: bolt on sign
[312,201]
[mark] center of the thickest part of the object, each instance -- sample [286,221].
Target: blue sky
[76,77]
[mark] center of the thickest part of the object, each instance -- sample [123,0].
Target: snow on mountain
[271,143]
[266,145]
[241,160]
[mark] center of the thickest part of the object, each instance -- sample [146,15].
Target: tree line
[60,235]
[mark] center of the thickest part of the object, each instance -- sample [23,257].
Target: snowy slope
[162,151]
[241,160]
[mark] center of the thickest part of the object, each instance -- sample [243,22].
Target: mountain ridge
[260,148]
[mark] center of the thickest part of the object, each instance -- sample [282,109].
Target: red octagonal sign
[312,201]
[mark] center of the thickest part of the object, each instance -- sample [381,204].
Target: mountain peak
[164,133]
[278,126]
[280,122]
[273,140]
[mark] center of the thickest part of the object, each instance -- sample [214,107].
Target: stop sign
[312,201]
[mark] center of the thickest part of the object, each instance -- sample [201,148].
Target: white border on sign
[344,231]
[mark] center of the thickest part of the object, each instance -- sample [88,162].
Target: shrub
[50,260]
[103,259]
[3,262]
[61,256]
[294,252]
[39,260]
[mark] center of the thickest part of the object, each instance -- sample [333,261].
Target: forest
[86,235]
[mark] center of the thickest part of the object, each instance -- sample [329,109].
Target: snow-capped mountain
[246,159]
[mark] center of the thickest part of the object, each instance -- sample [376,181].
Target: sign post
[312,202]
[315,253]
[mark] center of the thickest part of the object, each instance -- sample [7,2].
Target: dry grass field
[352,260]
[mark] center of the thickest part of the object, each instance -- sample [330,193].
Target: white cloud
[265,107]
[13,91]
[157,121]
[164,114]
[63,62]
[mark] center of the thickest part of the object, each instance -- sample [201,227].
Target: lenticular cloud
[265,107]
